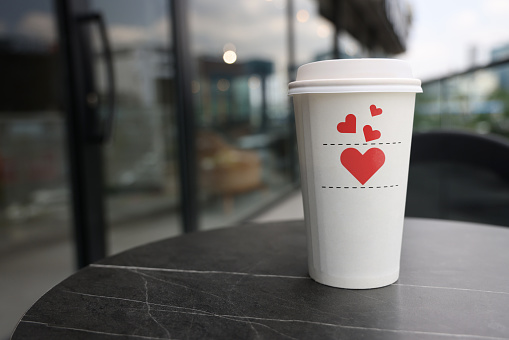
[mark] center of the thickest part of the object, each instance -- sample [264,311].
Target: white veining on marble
[140,301]
[190,327]
[170,270]
[199,312]
[451,288]
[296,305]
[196,271]
[178,284]
[147,303]
[259,324]
[233,305]
[461,336]
[228,295]
[189,311]
[370,328]
[90,331]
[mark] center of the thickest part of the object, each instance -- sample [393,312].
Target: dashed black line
[387,143]
[363,187]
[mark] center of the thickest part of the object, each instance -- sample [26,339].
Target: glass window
[35,248]
[313,33]
[428,107]
[497,100]
[476,101]
[141,158]
[243,127]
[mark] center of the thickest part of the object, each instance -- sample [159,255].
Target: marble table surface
[251,282]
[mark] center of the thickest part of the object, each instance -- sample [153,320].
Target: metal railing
[476,99]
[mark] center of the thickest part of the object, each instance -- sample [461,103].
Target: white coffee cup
[354,122]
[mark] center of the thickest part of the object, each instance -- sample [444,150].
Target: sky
[445,32]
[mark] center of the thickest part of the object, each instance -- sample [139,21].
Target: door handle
[102,130]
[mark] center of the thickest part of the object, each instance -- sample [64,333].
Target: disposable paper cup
[354,122]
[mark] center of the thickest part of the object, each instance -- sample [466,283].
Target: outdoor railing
[476,100]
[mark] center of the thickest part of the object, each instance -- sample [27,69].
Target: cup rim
[353,85]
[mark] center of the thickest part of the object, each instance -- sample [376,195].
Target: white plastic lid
[355,75]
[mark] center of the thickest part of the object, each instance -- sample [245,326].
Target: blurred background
[202,129]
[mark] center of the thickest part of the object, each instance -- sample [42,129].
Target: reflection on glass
[243,122]
[141,176]
[32,159]
[477,101]
[229,57]
[33,183]
[349,47]
[313,33]
[302,15]
[34,195]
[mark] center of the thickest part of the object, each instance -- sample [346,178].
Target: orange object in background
[225,170]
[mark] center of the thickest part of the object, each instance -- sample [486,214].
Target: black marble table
[251,282]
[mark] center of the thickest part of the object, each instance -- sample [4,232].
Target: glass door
[122,75]
[35,224]
[87,138]
[244,129]
[140,158]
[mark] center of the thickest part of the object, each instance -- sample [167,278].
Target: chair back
[459,175]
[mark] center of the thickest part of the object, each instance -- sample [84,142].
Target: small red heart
[362,166]
[348,126]
[370,134]
[375,111]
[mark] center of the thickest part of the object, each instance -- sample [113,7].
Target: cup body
[354,135]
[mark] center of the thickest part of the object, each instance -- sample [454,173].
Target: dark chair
[459,175]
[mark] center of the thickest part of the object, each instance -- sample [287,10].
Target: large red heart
[375,111]
[348,126]
[370,134]
[362,166]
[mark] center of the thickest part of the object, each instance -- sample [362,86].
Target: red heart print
[370,134]
[375,111]
[348,126]
[362,166]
